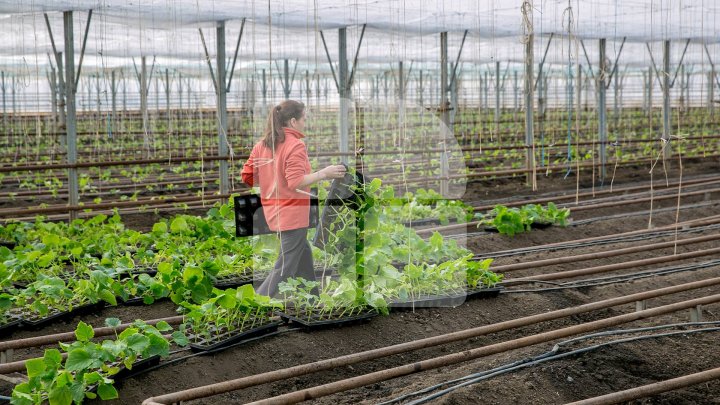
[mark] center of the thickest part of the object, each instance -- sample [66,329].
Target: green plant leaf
[178,225]
[112,322]
[35,367]
[163,326]
[107,392]
[84,332]
[138,342]
[180,339]
[52,358]
[60,396]
[78,359]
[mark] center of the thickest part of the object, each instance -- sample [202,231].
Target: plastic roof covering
[396,30]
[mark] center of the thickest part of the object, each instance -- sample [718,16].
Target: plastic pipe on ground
[309,368]
[652,389]
[613,267]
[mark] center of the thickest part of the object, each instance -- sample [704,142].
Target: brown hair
[279,117]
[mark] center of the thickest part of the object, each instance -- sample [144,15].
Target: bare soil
[594,373]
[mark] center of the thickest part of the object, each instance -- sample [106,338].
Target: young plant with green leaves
[88,370]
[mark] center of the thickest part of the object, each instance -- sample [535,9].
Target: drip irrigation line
[623,251]
[553,196]
[215,350]
[551,356]
[615,279]
[614,266]
[611,239]
[309,368]
[639,213]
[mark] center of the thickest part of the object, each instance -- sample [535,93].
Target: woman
[279,164]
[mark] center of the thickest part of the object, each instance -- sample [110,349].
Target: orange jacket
[278,174]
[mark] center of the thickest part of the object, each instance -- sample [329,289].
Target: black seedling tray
[484,292]
[37,323]
[317,320]
[8,244]
[428,301]
[541,225]
[14,322]
[236,280]
[138,367]
[229,337]
[137,301]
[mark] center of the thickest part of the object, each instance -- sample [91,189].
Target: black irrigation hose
[594,282]
[212,351]
[611,239]
[551,356]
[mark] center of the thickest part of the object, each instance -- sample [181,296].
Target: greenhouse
[377,202]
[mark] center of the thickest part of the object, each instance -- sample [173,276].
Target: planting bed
[593,373]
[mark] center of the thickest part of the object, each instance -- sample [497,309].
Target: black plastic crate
[250,218]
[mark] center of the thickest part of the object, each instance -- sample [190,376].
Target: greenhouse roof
[394,30]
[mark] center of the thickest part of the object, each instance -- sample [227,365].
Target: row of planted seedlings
[396,268]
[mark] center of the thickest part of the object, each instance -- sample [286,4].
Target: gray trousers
[295,260]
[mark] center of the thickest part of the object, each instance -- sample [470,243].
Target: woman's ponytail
[279,117]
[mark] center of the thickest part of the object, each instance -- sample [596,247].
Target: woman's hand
[332,172]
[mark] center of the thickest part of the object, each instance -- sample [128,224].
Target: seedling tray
[137,301]
[8,244]
[14,322]
[138,367]
[317,319]
[428,301]
[484,292]
[32,321]
[236,280]
[229,337]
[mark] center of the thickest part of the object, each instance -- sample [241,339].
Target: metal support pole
[529,135]
[602,109]
[616,100]
[113,99]
[682,88]
[453,101]
[264,88]
[401,103]
[167,100]
[578,85]
[180,91]
[4,101]
[222,108]
[286,83]
[516,103]
[711,90]
[157,95]
[497,97]
[308,93]
[144,101]
[124,93]
[71,127]
[97,93]
[421,89]
[344,93]
[666,97]
[446,129]
[53,94]
[645,89]
[651,81]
